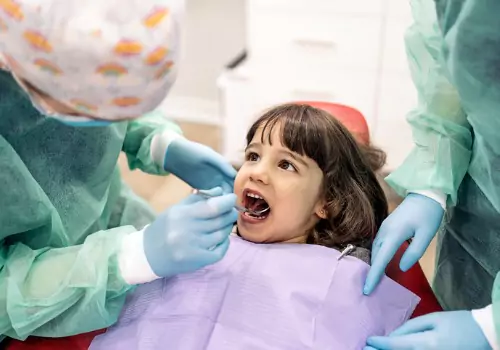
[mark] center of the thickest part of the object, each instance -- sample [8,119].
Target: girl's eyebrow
[253,145]
[282,151]
[295,156]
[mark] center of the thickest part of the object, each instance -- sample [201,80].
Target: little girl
[318,183]
[283,283]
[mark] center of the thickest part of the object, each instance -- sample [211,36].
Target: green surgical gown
[454,55]
[63,213]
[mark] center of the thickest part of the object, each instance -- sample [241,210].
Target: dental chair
[414,279]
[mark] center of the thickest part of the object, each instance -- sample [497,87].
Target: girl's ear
[320,210]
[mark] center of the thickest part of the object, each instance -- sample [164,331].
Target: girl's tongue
[256,204]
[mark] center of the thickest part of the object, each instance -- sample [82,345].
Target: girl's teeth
[253,195]
[254,217]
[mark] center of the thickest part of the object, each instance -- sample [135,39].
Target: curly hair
[355,202]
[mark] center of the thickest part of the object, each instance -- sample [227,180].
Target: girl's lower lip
[250,220]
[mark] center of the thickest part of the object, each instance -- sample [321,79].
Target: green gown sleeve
[441,132]
[138,138]
[48,291]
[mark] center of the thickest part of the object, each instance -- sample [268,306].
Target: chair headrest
[350,117]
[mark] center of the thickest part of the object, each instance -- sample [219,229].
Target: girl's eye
[286,165]
[252,157]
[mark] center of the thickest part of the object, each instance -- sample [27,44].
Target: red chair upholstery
[77,342]
[414,279]
[350,117]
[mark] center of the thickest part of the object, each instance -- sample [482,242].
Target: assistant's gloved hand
[190,235]
[198,165]
[454,330]
[418,217]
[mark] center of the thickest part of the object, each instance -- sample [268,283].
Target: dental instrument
[238,207]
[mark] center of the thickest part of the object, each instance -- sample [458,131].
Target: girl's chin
[252,235]
[254,238]
[260,236]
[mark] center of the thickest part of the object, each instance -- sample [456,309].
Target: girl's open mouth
[254,201]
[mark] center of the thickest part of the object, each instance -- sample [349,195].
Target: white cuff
[484,318]
[159,145]
[134,265]
[437,195]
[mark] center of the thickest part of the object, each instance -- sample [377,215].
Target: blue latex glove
[454,330]
[418,217]
[198,165]
[191,234]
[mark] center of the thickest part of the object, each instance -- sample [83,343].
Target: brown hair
[355,202]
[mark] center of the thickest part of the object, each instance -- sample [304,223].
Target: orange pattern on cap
[37,41]
[111,69]
[157,56]
[128,48]
[126,101]
[12,9]
[155,17]
[164,69]
[3,26]
[48,66]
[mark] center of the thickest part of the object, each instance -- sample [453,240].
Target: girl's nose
[260,173]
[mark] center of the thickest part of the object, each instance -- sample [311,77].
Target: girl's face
[290,184]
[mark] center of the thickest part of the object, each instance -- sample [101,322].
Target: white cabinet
[370,7]
[350,52]
[315,41]
[398,9]
[396,94]
[394,52]
[393,133]
[238,108]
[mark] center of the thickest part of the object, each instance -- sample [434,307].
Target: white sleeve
[132,261]
[160,143]
[484,318]
[438,196]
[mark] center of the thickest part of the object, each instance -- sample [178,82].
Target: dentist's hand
[191,234]
[199,166]
[418,217]
[454,330]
